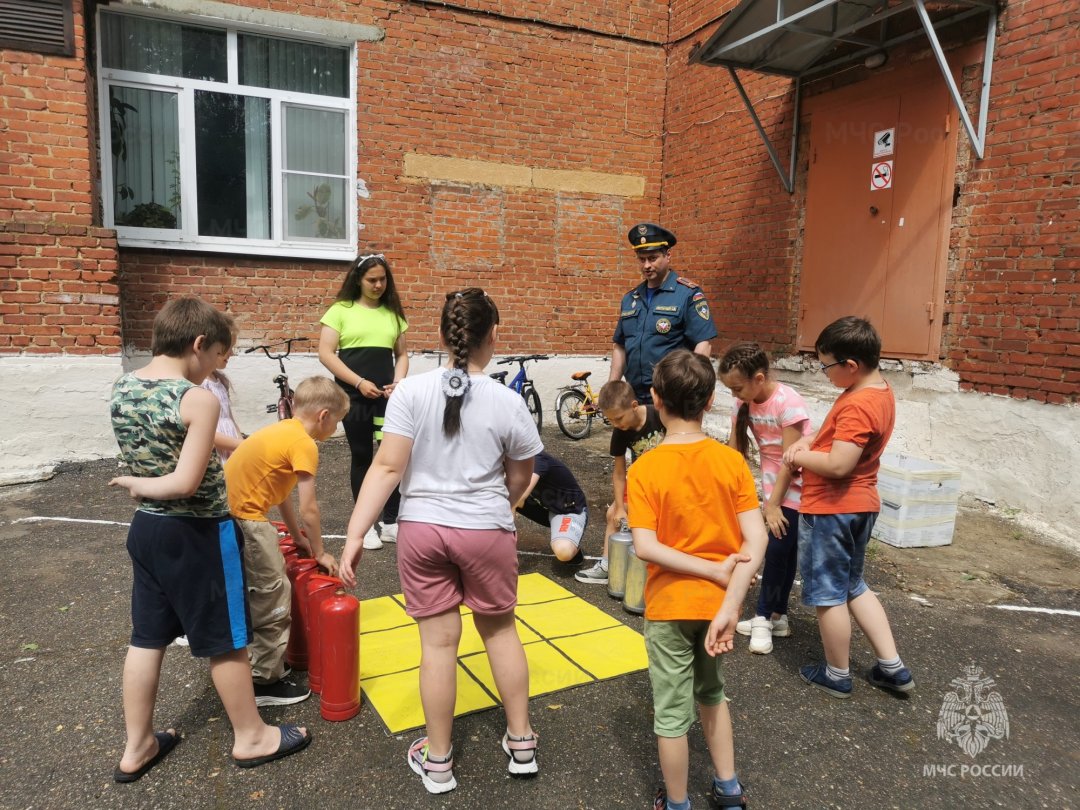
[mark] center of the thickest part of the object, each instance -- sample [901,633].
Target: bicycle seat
[580,375]
[500,376]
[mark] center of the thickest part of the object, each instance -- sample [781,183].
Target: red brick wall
[1014,301]
[737,226]
[1012,314]
[58,288]
[457,84]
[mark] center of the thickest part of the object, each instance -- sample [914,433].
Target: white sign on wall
[881,176]
[884,141]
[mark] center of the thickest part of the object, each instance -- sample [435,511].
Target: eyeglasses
[826,366]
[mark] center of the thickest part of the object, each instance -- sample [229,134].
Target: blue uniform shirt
[677,317]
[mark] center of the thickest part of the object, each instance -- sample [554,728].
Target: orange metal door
[873,251]
[846,247]
[920,209]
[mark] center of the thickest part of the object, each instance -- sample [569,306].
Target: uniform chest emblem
[663,326]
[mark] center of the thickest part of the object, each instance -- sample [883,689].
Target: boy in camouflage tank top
[186,552]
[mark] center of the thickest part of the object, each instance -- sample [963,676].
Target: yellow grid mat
[567,642]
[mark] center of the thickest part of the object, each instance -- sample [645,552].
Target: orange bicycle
[576,406]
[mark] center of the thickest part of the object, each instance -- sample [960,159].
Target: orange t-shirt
[262,470]
[864,417]
[691,496]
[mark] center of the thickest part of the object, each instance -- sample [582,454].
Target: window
[226,140]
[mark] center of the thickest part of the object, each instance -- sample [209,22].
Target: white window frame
[187,237]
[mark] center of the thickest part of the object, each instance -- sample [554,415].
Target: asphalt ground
[64,610]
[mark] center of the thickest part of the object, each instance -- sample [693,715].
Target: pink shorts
[441,567]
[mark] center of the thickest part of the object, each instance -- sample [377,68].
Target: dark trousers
[781,559]
[360,432]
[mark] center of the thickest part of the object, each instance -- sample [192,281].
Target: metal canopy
[800,38]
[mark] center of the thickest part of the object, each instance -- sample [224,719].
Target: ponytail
[748,359]
[467,318]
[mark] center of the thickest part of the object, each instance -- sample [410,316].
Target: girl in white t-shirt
[777,417]
[461,447]
[227,436]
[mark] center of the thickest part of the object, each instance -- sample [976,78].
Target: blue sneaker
[815,675]
[900,682]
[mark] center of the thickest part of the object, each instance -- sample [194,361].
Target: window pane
[145,145]
[232,159]
[146,45]
[314,140]
[301,67]
[315,206]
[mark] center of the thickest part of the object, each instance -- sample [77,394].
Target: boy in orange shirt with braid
[694,516]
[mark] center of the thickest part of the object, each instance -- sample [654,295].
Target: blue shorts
[188,580]
[832,550]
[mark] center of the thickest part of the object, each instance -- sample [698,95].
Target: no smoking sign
[881,176]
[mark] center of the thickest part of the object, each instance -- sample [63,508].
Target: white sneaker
[761,635]
[389,533]
[371,539]
[743,627]
[780,627]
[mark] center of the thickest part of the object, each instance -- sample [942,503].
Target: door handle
[873,210]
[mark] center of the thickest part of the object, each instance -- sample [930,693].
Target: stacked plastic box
[918,502]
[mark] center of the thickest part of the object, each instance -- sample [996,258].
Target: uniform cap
[648,236]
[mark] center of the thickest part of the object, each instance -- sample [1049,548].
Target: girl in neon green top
[362,344]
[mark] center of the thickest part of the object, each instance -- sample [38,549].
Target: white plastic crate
[918,502]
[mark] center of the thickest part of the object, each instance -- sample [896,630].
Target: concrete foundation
[1013,453]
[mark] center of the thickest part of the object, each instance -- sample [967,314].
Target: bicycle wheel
[571,416]
[532,402]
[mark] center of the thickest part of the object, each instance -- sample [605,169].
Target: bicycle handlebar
[287,343]
[521,358]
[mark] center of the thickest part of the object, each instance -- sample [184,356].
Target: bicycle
[523,385]
[576,406]
[284,406]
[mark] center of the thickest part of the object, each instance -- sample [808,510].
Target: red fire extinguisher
[339,623]
[319,587]
[296,653]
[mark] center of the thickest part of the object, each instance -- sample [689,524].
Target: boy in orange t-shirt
[694,516]
[839,506]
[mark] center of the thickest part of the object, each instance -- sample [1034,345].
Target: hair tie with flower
[455,382]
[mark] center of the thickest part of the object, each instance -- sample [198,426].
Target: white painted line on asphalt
[41,519]
[1026,609]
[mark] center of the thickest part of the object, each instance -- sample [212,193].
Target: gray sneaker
[280,693]
[597,575]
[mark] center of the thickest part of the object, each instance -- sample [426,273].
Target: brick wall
[737,226]
[565,86]
[464,84]
[1014,301]
[1012,310]
[58,290]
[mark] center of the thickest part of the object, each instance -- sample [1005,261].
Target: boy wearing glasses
[839,506]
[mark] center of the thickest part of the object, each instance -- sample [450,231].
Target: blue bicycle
[523,385]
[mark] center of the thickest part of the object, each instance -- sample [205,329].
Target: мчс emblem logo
[973,714]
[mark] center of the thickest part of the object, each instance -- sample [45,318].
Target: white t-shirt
[460,481]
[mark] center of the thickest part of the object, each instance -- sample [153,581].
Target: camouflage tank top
[146,421]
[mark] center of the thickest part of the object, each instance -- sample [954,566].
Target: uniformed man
[661,314]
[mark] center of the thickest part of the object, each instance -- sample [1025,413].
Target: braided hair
[467,318]
[350,291]
[747,359]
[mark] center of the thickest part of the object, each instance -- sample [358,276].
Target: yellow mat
[568,642]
